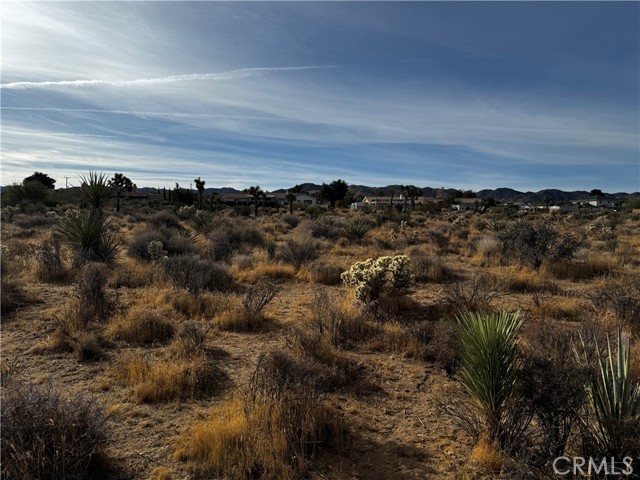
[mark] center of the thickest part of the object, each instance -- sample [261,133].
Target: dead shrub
[475,295]
[172,242]
[90,302]
[48,435]
[133,274]
[428,268]
[341,328]
[271,436]
[47,259]
[298,253]
[194,305]
[196,376]
[142,325]
[623,299]
[324,273]
[577,271]
[196,275]
[247,314]
[189,340]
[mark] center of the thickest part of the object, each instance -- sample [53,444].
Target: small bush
[623,300]
[472,296]
[47,435]
[196,275]
[298,253]
[325,273]
[291,220]
[142,325]
[247,315]
[48,261]
[577,271]
[427,268]
[91,302]
[166,380]
[164,219]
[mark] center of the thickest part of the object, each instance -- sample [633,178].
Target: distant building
[463,204]
[375,201]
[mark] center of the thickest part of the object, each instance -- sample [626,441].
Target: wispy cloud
[145,82]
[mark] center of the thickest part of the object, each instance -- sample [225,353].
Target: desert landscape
[166,341]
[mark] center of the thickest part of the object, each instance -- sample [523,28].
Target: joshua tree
[120,184]
[200,188]
[256,192]
[413,192]
[291,197]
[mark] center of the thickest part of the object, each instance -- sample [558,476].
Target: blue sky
[456,94]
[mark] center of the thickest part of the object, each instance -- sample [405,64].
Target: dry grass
[488,457]
[321,272]
[132,273]
[262,435]
[169,379]
[264,270]
[397,338]
[580,271]
[203,305]
[246,313]
[523,280]
[142,324]
[561,308]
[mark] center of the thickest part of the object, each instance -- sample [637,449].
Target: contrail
[54,134]
[143,82]
[141,113]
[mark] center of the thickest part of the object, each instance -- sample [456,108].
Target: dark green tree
[43,178]
[596,192]
[119,183]
[200,188]
[255,192]
[334,192]
[413,193]
[291,197]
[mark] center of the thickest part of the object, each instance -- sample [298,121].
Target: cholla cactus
[72,213]
[155,250]
[373,277]
[186,211]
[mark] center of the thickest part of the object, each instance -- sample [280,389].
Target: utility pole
[66,182]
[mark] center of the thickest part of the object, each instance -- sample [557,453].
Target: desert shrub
[339,327]
[194,305]
[91,302]
[91,231]
[356,230]
[623,300]
[613,399]
[34,221]
[441,238]
[576,271]
[196,376]
[248,314]
[475,295]
[164,219]
[532,245]
[325,273]
[12,294]
[172,242]
[133,274]
[490,359]
[48,260]
[375,277]
[142,325]
[553,386]
[325,227]
[291,220]
[489,249]
[219,247]
[298,253]
[189,340]
[87,346]
[428,268]
[196,275]
[47,435]
[262,434]
[271,247]
[443,346]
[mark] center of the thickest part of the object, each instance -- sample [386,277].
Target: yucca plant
[613,399]
[95,190]
[489,363]
[90,230]
[355,230]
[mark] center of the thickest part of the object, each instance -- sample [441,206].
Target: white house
[374,201]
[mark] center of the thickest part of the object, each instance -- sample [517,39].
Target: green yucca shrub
[356,230]
[613,399]
[95,190]
[489,364]
[91,232]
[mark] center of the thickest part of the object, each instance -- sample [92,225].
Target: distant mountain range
[499,194]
